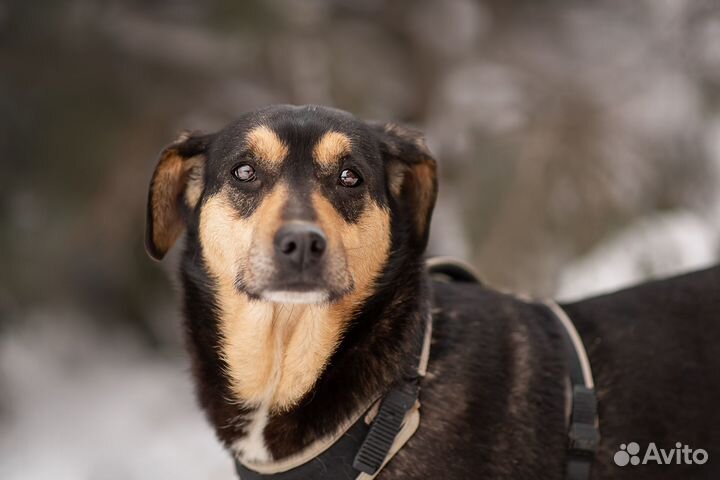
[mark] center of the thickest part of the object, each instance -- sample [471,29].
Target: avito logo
[680,455]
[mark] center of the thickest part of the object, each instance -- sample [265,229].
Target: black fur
[654,353]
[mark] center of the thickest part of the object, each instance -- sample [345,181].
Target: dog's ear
[175,189]
[411,175]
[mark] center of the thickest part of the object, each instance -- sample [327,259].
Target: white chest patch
[251,447]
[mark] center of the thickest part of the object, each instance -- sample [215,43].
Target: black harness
[583,432]
[366,446]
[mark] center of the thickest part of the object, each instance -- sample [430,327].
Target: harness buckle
[583,438]
[385,427]
[583,435]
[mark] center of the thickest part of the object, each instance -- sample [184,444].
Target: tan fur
[266,145]
[331,147]
[366,242]
[276,352]
[172,179]
[195,181]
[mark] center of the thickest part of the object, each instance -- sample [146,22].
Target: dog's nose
[301,245]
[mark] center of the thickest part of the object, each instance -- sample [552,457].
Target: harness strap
[397,418]
[583,432]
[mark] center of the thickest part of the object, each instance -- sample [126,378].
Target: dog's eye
[349,178]
[244,173]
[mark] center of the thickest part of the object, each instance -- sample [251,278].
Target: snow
[89,405]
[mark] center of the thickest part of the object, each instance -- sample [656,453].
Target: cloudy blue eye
[244,173]
[349,178]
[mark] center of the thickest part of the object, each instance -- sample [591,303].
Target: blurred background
[579,145]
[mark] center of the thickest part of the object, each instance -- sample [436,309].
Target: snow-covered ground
[80,404]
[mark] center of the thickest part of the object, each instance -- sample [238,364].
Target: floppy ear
[175,189]
[412,176]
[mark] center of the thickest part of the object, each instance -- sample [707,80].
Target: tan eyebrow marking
[265,144]
[331,147]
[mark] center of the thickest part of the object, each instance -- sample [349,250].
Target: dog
[306,298]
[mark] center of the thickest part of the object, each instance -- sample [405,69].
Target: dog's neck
[274,355]
[275,352]
[273,378]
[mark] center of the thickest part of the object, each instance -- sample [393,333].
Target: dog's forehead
[275,132]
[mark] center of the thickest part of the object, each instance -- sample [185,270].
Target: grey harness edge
[583,431]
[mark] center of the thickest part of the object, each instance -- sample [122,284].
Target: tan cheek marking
[233,245]
[365,245]
[225,238]
[368,246]
[266,145]
[331,147]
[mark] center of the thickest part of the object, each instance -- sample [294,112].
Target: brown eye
[349,178]
[244,173]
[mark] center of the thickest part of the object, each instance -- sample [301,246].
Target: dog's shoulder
[477,303]
[481,318]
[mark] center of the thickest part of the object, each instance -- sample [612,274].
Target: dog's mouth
[296,291]
[304,290]
[296,296]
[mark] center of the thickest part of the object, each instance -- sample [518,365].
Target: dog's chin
[312,297]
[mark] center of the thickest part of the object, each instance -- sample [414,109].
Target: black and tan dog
[305,294]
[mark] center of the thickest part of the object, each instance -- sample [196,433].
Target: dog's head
[294,204]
